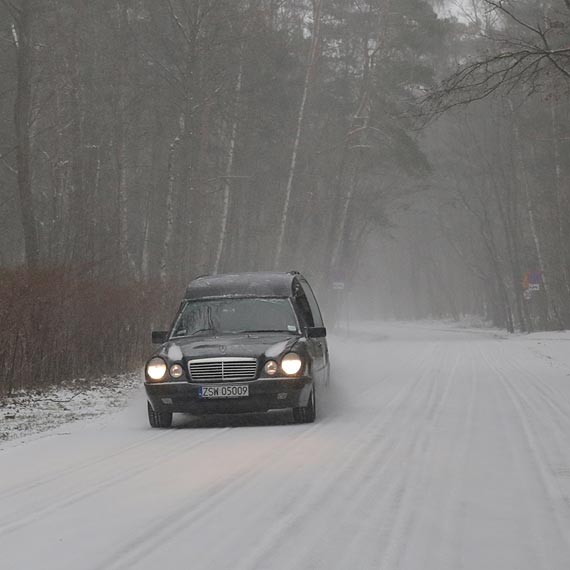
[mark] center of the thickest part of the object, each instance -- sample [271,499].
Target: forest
[417,151]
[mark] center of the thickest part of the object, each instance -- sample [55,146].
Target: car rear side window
[315,310]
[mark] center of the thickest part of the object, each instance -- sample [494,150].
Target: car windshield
[232,316]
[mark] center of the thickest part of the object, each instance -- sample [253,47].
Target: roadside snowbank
[550,345]
[33,412]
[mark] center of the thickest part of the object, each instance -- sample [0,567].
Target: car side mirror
[159,337]
[316,332]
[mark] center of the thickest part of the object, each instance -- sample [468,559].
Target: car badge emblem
[223,349]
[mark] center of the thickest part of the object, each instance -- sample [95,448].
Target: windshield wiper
[201,331]
[264,331]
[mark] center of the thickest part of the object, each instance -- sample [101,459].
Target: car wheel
[158,419]
[308,413]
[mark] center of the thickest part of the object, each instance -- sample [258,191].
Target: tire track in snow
[186,516]
[436,540]
[72,469]
[453,520]
[405,497]
[537,458]
[559,428]
[375,491]
[379,456]
[532,534]
[555,413]
[546,392]
[558,463]
[189,515]
[125,475]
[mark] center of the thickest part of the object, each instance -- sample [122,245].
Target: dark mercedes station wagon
[250,342]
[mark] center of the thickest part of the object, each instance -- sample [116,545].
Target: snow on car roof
[264,284]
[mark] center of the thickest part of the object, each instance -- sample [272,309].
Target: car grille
[222,369]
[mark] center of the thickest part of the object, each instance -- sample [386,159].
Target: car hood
[255,345]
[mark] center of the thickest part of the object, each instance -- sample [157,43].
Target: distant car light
[271,367]
[156,369]
[176,371]
[291,364]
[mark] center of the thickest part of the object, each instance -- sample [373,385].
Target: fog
[409,158]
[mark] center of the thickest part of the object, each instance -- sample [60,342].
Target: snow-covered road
[434,449]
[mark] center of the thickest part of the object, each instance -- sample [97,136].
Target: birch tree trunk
[531,216]
[80,198]
[341,233]
[229,167]
[122,199]
[23,122]
[145,248]
[317,5]
[560,202]
[121,150]
[94,215]
[169,213]
[346,202]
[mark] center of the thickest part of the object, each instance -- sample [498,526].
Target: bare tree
[525,55]
[169,226]
[313,53]
[229,167]
[23,42]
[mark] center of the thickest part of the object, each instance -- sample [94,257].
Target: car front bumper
[264,394]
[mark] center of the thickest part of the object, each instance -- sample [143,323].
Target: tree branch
[179,23]
[16,12]
[500,6]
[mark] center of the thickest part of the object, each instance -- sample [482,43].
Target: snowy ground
[28,414]
[435,449]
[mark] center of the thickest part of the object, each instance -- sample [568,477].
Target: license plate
[238,391]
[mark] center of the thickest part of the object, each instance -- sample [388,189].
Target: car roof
[262,284]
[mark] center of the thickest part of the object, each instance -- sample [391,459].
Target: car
[241,343]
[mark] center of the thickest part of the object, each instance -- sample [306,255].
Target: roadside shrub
[57,325]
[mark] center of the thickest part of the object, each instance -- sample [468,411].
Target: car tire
[158,419]
[306,414]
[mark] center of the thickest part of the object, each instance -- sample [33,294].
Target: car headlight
[291,364]
[156,369]
[271,367]
[176,371]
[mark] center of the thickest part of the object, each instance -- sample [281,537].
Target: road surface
[434,449]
